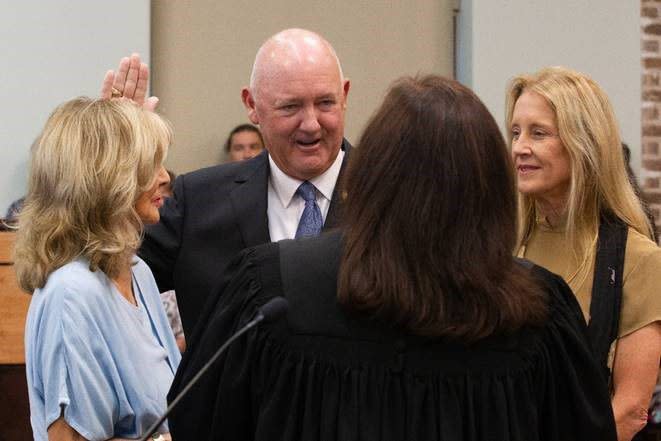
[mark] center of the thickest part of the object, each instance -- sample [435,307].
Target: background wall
[51,52]
[203,50]
[499,39]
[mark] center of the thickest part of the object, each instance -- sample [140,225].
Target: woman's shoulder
[73,289]
[641,304]
[642,259]
[74,277]
[640,247]
[71,298]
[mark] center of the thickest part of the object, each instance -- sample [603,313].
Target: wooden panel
[13,309]
[14,405]
[7,239]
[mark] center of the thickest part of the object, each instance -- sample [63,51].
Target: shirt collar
[285,186]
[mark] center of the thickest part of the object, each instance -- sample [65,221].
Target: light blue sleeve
[76,369]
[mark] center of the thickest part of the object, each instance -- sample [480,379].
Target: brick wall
[651,104]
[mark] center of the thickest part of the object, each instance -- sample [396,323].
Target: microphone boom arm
[251,324]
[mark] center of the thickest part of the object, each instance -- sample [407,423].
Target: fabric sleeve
[641,293]
[162,240]
[73,378]
[221,401]
[575,404]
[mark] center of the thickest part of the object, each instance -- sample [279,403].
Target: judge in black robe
[324,375]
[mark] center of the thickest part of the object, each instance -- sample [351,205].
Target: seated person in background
[244,142]
[13,210]
[413,322]
[100,355]
[581,218]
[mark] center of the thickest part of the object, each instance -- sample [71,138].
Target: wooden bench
[14,405]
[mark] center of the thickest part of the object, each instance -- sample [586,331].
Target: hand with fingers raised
[130,82]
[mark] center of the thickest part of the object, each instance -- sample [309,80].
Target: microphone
[272,310]
[269,312]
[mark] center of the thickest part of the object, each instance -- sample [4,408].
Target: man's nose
[310,121]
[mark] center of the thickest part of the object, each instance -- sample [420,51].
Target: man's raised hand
[130,82]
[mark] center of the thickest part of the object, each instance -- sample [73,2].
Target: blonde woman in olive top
[572,182]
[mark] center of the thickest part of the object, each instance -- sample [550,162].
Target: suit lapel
[249,199]
[334,214]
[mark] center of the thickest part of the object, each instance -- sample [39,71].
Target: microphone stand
[270,311]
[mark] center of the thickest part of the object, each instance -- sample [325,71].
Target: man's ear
[345,88]
[249,103]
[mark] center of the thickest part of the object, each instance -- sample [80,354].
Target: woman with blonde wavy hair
[100,356]
[580,218]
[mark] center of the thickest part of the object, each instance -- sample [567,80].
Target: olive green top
[641,291]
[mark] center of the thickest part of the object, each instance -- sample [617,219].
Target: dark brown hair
[242,128]
[430,218]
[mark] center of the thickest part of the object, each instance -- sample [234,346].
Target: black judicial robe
[324,375]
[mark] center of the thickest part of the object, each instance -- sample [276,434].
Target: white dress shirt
[285,207]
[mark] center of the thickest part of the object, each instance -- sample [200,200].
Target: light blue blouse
[92,354]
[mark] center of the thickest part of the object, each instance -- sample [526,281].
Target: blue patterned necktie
[311,221]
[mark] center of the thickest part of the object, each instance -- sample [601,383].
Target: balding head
[298,96]
[292,49]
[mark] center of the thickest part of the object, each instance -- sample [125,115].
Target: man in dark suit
[297,96]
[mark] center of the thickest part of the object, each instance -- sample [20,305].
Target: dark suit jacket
[215,213]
